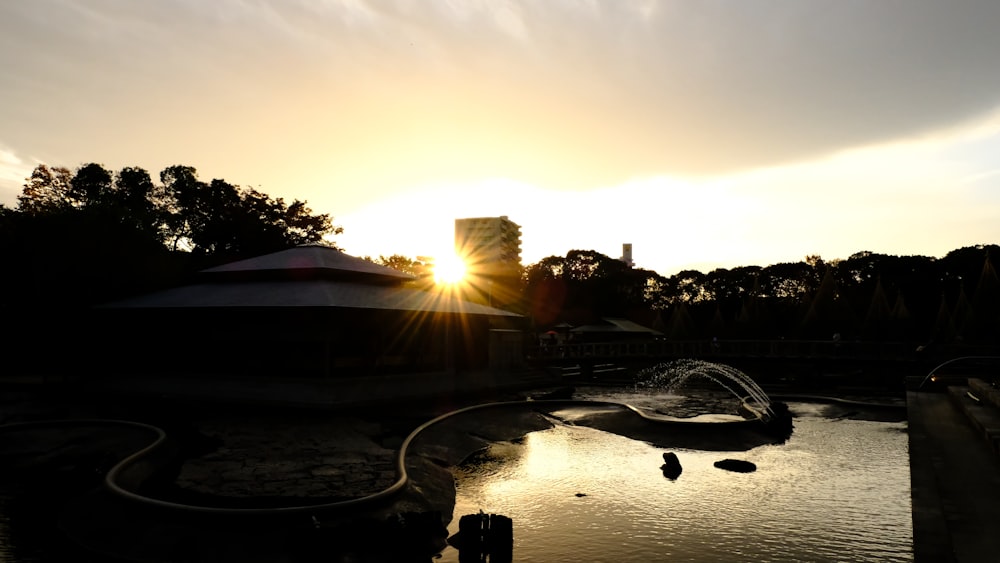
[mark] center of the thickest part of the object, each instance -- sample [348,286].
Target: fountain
[669,376]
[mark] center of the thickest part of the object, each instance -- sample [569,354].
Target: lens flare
[449,270]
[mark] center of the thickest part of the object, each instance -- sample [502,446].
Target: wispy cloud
[620,88]
[758,104]
[981,176]
[13,171]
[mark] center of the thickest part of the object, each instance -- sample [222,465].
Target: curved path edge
[836,400]
[127,476]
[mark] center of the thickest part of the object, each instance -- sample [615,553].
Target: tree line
[76,238]
[868,296]
[85,236]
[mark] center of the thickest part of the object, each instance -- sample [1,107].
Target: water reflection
[575,493]
[484,537]
[838,490]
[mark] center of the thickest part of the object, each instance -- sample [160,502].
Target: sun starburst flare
[449,270]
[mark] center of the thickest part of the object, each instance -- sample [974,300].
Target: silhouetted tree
[544,290]
[731,288]
[586,285]
[140,202]
[829,314]
[681,326]
[788,281]
[689,286]
[962,267]
[91,187]
[180,188]
[986,304]
[46,191]
[814,298]
[220,218]
[405,264]
[877,318]
[83,237]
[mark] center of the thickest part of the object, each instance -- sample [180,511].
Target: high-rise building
[627,254]
[490,246]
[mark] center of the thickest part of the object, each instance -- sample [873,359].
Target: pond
[837,490]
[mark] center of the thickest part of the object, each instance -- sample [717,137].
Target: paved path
[955,480]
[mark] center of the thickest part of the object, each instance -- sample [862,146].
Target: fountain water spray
[670,375]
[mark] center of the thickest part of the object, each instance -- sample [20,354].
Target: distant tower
[627,254]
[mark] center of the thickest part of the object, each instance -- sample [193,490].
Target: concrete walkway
[955,477]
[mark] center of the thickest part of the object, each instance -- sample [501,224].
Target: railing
[789,349]
[934,372]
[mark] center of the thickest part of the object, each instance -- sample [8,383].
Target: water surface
[838,490]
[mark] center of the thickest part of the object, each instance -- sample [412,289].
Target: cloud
[897,198]
[570,94]
[707,87]
[13,172]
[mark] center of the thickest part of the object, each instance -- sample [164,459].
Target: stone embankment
[238,461]
[306,468]
[290,457]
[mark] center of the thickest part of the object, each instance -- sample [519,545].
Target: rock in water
[737,465]
[671,465]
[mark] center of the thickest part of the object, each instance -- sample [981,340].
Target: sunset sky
[706,133]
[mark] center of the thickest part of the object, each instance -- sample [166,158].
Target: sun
[449,269]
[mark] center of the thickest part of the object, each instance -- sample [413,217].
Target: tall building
[489,245]
[627,254]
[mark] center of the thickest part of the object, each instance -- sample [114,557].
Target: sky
[709,133]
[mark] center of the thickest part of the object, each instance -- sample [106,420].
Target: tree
[544,290]
[788,281]
[220,218]
[46,191]
[91,186]
[689,286]
[183,213]
[398,262]
[302,227]
[657,293]
[585,285]
[140,202]
[120,233]
[828,311]
[732,286]
[962,267]
[986,304]
[180,189]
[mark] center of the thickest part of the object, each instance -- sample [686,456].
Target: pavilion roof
[617,325]
[306,293]
[306,276]
[307,261]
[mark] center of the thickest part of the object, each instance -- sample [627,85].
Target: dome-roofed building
[309,311]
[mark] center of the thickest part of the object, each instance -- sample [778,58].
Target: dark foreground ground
[238,453]
[955,475]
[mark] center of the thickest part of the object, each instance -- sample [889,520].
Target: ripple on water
[836,491]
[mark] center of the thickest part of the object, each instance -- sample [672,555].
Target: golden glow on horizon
[575,119]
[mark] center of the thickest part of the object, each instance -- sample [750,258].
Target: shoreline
[101,524]
[96,521]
